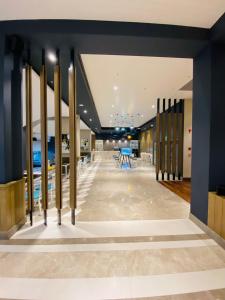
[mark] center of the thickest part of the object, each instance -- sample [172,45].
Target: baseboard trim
[212,234]
[6,235]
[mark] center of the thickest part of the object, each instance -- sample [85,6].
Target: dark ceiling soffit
[217,33]
[81,66]
[103,28]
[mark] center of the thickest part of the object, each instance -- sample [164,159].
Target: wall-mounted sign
[134,144]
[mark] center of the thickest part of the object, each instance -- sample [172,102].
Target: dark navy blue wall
[201,134]
[208,157]
[10,112]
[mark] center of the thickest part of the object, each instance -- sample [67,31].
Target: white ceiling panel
[198,13]
[125,88]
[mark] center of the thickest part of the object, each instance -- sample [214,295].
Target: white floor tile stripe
[110,229]
[107,247]
[112,288]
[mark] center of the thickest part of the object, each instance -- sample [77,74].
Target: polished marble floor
[132,240]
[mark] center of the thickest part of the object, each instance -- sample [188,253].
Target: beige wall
[65,130]
[187,138]
[86,134]
[146,140]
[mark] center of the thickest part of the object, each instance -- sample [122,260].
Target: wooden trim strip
[44,138]
[73,136]
[58,141]
[29,142]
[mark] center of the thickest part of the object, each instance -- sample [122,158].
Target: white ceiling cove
[125,88]
[198,13]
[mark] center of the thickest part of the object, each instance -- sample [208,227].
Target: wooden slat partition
[163,135]
[29,142]
[44,137]
[158,140]
[58,139]
[174,145]
[180,140]
[168,149]
[73,136]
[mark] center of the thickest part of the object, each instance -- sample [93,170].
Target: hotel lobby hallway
[133,240]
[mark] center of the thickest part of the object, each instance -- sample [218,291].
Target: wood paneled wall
[146,140]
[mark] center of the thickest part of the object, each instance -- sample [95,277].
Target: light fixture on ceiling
[85,111]
[152,125]
[117,128]
[131,127]
[81,105]
[52,57]
[125,141]
[123,129]
[115,87]
[107,141]
[113,141]
[129,137]
[90,120]
[119,141]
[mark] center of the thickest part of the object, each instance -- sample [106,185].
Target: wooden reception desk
[216,213]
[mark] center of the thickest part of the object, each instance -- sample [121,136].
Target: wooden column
[163,134]
[58,139]
[174,145]
[168,149]
[73,136]
[44,137]
[158,140]
[29,142]
[180,139]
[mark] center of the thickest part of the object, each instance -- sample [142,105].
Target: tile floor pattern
[132,240]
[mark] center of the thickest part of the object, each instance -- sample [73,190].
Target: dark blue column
[10,110]
[208,157]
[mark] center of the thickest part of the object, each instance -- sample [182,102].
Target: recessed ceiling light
[123,129]
[153,106]
[117,129]
[152,125]
[52,57]
[85,111]
[81,105]
[115,87]
[131,127]
[90,120]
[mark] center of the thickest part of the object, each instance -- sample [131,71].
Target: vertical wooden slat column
[44,137]
[29,142]
[73,136]
[180,140]
[174,147]
[58,139]
[158,140]
[168,149]
[163,134]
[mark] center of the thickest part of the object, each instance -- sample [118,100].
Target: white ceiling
[138,81]
[51,111]
[199,13]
